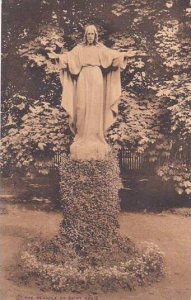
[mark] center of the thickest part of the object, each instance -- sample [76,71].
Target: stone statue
[90,76]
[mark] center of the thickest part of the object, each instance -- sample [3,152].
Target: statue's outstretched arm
[60,59]
[53,56]
[133,53]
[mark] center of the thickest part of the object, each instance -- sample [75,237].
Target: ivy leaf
[41,146]
[179,190]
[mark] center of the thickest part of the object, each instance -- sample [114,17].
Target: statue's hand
[132,53]
[53,55]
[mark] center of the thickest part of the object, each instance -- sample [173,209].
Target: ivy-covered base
[88,253]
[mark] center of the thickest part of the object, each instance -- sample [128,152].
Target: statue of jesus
[90,76]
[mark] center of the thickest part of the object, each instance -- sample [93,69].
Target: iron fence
[132,161]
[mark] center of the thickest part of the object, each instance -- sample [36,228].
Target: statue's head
[91,35]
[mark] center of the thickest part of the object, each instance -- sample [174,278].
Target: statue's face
[90,35]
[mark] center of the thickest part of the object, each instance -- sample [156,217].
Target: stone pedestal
[89,195]
[88,253]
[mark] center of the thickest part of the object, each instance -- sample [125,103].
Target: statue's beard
[90,42]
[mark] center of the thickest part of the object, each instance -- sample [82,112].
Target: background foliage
[155,106]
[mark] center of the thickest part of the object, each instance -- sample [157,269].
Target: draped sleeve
[71,60]
[70,66]
[63,61]
[116,62]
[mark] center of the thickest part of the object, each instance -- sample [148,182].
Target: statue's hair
[85,34]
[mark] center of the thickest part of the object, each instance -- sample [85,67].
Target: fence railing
[134,161]
[57,158]
[129,160]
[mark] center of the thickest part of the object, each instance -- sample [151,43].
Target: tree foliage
[154,112]
[31,146]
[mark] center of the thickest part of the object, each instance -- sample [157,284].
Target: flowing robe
[90,76]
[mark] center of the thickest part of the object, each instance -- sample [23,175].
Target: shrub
[42,132]
[139,268]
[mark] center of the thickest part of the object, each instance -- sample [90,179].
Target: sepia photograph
[95,199]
